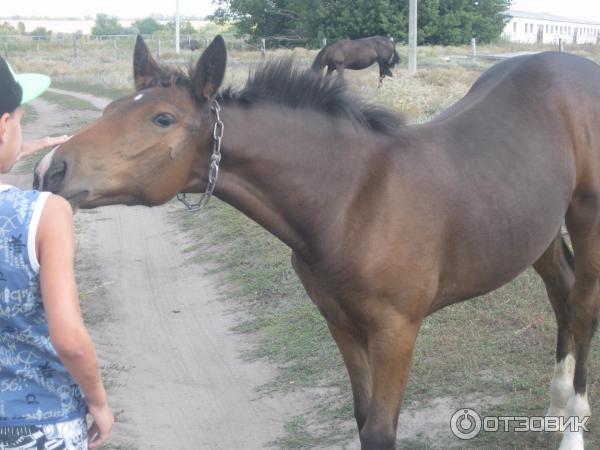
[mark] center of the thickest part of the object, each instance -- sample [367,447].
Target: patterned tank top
[35,387]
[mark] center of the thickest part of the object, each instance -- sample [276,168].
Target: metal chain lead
[215,159]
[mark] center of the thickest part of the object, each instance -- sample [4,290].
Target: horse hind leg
[583,223]
[555,267]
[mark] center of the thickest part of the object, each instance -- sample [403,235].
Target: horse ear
[144,65]
[210,70]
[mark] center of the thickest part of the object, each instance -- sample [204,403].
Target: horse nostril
[55,176]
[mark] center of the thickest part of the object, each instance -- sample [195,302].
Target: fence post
[324,42]
[412,36]
[263,48]
[158,49]
[473,48]
[74,46]
[561,45]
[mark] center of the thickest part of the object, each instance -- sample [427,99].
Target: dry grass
[446,75]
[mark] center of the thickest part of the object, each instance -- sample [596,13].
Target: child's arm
[29,147]
[54,245]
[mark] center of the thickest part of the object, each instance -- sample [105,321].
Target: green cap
[33,85]
[18,89]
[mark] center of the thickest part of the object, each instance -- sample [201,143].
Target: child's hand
[29,147]
[103,421]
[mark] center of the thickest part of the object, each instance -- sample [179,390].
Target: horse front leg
[381,76]
[351,343]
[354,352]
[391,341]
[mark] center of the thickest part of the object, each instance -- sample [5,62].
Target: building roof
[549,17]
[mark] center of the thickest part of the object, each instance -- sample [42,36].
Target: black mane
[284,83]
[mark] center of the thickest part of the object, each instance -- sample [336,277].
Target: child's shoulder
[44,203]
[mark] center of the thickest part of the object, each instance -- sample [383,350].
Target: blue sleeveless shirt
[35,387]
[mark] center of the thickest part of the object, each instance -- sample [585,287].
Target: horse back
[514,151]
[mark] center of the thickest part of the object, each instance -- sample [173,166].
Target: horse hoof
[572,440]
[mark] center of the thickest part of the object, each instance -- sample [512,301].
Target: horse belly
[360,64]
[489,248]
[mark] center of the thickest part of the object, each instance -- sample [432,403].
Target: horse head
[156,133]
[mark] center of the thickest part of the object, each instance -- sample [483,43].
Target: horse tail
[318,62]
[568,254]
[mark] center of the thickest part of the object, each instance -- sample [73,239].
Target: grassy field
[496,351]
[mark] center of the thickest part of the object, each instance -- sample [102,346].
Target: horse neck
[292,171]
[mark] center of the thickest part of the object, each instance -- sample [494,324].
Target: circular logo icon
[465,424]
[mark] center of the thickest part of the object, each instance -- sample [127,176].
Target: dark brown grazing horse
[189,44]
[358,54]
[387,222]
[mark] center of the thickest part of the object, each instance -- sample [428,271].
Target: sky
[576,9]
[127,9]
[579,9]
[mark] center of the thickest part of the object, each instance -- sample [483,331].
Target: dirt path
[175,365]
[172,365]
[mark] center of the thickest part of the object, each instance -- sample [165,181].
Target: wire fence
[158,43]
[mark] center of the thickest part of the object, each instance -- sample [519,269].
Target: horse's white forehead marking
[137,97]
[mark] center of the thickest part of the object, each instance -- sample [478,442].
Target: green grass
[90,88]
[29,114]
[500,345]
[69,102]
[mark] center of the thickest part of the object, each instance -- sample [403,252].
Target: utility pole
[412,36]
[176,26]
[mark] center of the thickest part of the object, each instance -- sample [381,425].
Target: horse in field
[358,54]
[189,44]
[387,222]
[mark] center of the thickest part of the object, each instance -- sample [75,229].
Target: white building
[545,28]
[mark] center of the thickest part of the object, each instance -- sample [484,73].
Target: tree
[7,29]
[259,18]
[41,31]
[107,25]
[440,21]
[185,27]
[149,25]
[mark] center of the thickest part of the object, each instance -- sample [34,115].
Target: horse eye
[164,120]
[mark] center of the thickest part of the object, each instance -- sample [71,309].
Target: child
[49,376]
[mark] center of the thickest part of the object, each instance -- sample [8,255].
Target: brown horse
[387,222]
[358,54]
